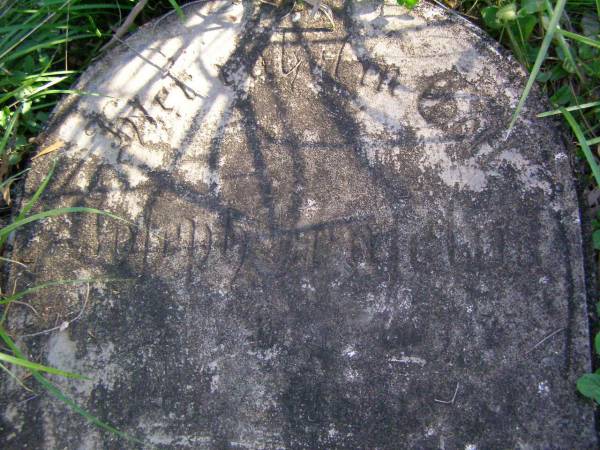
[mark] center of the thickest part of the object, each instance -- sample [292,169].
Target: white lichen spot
[464,177]
[98,364]
[332,432]
[543,388]
[408,360]
[528,173]
[351,374]
[307,286]
[350,352]
[11,414]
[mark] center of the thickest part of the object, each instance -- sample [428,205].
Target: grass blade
[564,45]
[22,39]
[12,261]
[570,108]
[177,9]
[35,366]
[8,131]
[39,287]
[587,151]
[583,39]
[57,212]
[39,191]
[13,178]
[56,392]
[558,10]
[593,141]
[14,377]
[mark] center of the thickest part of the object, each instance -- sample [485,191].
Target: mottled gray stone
[332,232]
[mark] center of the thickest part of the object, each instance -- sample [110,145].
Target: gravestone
[332,242]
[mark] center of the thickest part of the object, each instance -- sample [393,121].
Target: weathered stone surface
[333,234]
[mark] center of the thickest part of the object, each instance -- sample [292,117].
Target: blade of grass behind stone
[56,392]
[19,295]
[570,108]
[57,212]
[564,45]
[36,196]
[13,178]
[587,151]
[46,45]
[12,44]
[14,377]
[593,141]
[35,366]
[177,9]
[583,39]
[12,261]
[6,184]
[558,10]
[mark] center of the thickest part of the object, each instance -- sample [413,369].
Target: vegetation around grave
[45,44]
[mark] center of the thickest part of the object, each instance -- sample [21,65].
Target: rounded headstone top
[332,241]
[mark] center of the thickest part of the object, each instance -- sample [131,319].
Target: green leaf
[507,13]
[35,366]
[4,117]
[532,6]
[8,131]
[562,96]
[596,239]
[589,386]
[593,69]
[597,343]
[27,64]
[14,159]
[489,15]
[531,53]
[526,26]
[410,4]
[586,52]
[26,106]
